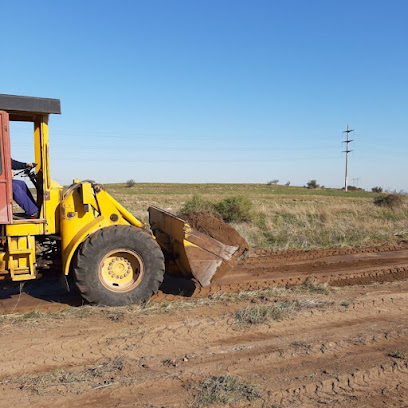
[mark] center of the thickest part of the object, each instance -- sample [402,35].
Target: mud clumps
[214,226]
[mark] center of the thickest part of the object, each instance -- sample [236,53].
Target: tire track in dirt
[94,346]
[340,279]
[262,269]
[355,389]
[307,254]
[257,344]
[324,354]
[210,333]
[334,390]
[112,342]
[265,269]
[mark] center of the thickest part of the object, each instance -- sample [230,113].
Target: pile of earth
[214,226]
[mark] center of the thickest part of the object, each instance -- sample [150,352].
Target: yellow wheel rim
[121,270]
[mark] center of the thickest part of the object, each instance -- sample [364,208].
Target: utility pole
[347,151]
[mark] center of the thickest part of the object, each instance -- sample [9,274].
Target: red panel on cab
[6,192]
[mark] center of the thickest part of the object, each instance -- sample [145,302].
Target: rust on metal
[190,253]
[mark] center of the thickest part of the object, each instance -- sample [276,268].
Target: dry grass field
[283,217]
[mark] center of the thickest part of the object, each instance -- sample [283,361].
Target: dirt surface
[215,227]
[264,269]
[345,346]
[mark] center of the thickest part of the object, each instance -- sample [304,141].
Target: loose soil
[214,226]
[344,347]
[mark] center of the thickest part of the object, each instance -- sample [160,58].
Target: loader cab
[35,110]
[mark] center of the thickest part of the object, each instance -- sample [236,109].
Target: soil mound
[214,226]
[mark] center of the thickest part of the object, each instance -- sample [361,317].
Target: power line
[347,151]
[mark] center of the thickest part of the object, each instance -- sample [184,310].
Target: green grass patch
[34,315]
[235,209]
[231,209]
[225,190]
[197,204]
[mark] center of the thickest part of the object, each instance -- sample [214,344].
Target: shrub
[354,188]
[231,209]
[272,182]
[313,287]
[398,354]
[225,390]
[262,313]
[253,315]
[389,201]
[377,190]
[197,204]
[287,184]
[130,183]
[237,208]
[312,184]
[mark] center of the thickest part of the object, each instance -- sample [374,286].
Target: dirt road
[300,346]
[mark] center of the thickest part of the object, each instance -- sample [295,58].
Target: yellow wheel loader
[82,230]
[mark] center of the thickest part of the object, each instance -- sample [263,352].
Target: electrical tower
[347,151]
[355,181]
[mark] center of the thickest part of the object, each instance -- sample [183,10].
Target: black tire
[118,265]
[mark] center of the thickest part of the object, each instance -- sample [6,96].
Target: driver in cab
[21,194]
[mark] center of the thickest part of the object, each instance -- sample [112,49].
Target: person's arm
[16,165]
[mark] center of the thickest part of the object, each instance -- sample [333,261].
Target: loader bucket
[190,253]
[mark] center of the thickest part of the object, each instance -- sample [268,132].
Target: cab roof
[29,104]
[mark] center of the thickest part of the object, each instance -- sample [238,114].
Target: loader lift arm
[113,256]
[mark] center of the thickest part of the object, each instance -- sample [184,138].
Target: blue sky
[214,91]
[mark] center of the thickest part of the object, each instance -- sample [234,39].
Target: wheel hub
[119,267]
[121,270]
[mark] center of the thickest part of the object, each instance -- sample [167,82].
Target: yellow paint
[22,228]
[3,269]
[84,209]
[21,257]
[189,244]
[121,270]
